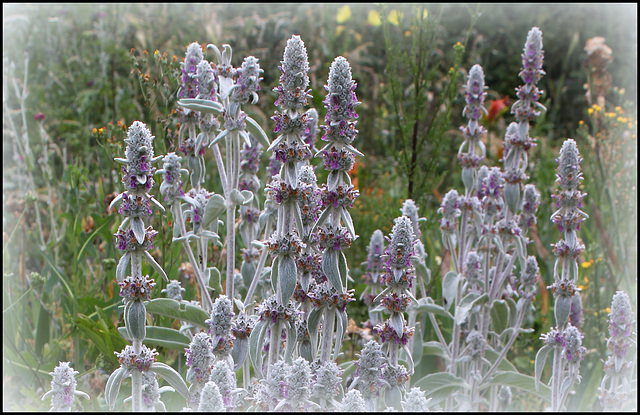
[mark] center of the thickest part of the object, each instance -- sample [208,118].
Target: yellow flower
[590,111]
[621,91]
[339,29]
[425,14]
[344,14]
[374,18]
[394,17]
[597,107]
[586,264]
[580,122]
[95,130]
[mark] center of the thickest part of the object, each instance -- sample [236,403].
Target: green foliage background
[94,67]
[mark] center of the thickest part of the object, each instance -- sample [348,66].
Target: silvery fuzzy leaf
[155,265]
[239,352]
[500,316]
[562,309]
[172,377]
[202,105]
[333,179]
[449,288]
[256,130]
[214,208]
[290,173]
[422,271]
[396,321]
[417,346]
[298,219]
[256,342]
[219,137]
[245,137]
[121,269]
[321,220]
[466,305]
[291,341]
[305,350]
[313,320]
[393,398]
[116,200]
[343,268]
[512,195]
[238,197]
[135,318]
[113,386]
[137,226]
[274,273]
[541,359]
[330,268]
[409,358]
[287,278]
[346,218]
[341,328]
[247,270]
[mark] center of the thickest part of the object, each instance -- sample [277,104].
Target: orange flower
[497,107]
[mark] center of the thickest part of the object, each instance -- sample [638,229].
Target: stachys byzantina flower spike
[63,388]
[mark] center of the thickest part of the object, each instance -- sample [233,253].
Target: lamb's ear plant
[337,197]
[564,341]
[485,232]
[135,239]
[616,387]
[63,391]
[218,90]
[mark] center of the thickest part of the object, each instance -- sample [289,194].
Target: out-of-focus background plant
[75,76]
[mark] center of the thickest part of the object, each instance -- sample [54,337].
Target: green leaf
[519,381]
[162,337]
[106,223]
[441,385]
[42,330]
[169,307]
[172,377]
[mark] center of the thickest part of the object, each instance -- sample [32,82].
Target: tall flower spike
[618,368]
[63,388]
[189,81]
[294,81]
[527,107]
[472,150]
